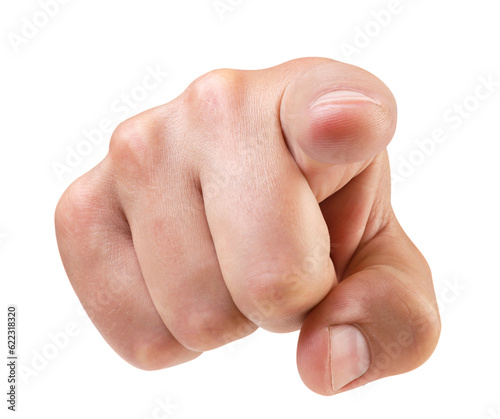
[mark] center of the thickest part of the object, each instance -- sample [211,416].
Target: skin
[254,199]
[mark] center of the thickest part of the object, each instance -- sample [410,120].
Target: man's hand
[256,198]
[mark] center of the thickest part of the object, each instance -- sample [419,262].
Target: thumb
[336,118]
[381,320]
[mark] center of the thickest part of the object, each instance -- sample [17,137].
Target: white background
[65,79]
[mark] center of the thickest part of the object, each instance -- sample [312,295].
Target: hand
[256,198]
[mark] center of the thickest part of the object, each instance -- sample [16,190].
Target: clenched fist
[255,198]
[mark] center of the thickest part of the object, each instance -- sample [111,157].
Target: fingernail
[339,97]
[350,357]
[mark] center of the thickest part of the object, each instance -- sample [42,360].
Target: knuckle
[130,145]
[278,294]
[426,324]
[76,211]
[148,355]
[152,349]
[415,315]
[402,321]
[203,331]
[278,301]
[216,94]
